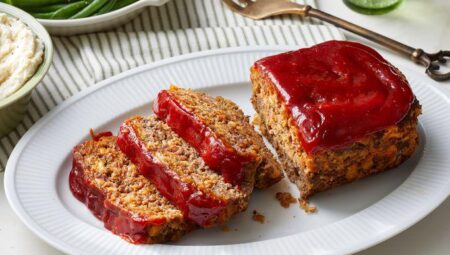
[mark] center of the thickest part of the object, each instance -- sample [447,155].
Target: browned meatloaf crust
[326,169]
[129,205]
[215,124]
[179,173]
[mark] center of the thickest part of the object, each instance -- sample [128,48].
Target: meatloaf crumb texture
[179,172]
[232,128]
[326,169]
[285,199]
[129,205]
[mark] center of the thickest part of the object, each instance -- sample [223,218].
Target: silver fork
[261,9]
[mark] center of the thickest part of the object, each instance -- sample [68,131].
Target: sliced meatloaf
[312,79]
[179,173]
[221,133]
[129,205]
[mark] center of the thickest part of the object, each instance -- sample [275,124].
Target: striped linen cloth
[179,27]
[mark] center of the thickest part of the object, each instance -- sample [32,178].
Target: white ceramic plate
[350,218]
[98,23]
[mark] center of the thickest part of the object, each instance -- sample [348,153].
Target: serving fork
[261,9]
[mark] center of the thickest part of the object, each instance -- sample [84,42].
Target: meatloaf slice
[221,133]
[179,173]
[327,167]
[129,205]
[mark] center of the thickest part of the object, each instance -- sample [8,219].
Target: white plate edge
[9,175]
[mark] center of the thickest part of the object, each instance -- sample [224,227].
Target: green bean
[70,10]
[36,3]
[47,15]
[46,8]
[107,7]
[92,8]
[122,3]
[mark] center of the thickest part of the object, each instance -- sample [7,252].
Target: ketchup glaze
[195,205]
[120,222]
[337,92]
[220,157]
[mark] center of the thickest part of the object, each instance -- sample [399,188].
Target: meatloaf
[129,205]
[179,173]
[221,133]
[335,113]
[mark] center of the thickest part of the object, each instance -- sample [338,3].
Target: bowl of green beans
[70,17]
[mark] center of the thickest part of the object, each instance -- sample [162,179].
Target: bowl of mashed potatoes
[26,53]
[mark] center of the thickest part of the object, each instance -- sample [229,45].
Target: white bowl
[14,107]
[98,23]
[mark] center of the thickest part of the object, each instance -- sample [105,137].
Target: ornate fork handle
[431,61]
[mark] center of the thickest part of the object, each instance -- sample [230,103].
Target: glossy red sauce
[220,157]
[337,92]
[196,205]
[116,220]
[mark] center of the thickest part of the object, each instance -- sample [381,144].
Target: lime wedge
[374,4]
[373,7]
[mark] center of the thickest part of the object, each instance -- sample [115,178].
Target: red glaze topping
[115,219]
[218,156]
[196,206]
[338,92]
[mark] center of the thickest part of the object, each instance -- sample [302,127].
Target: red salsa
[337,92]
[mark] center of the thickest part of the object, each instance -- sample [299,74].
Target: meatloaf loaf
[221,133]
[335,113]
[180,174]
[129,205]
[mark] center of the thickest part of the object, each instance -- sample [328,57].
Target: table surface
[418,23]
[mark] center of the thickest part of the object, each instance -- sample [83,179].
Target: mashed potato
[21,53]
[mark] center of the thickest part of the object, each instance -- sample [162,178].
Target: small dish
[98,23]
[14,107]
